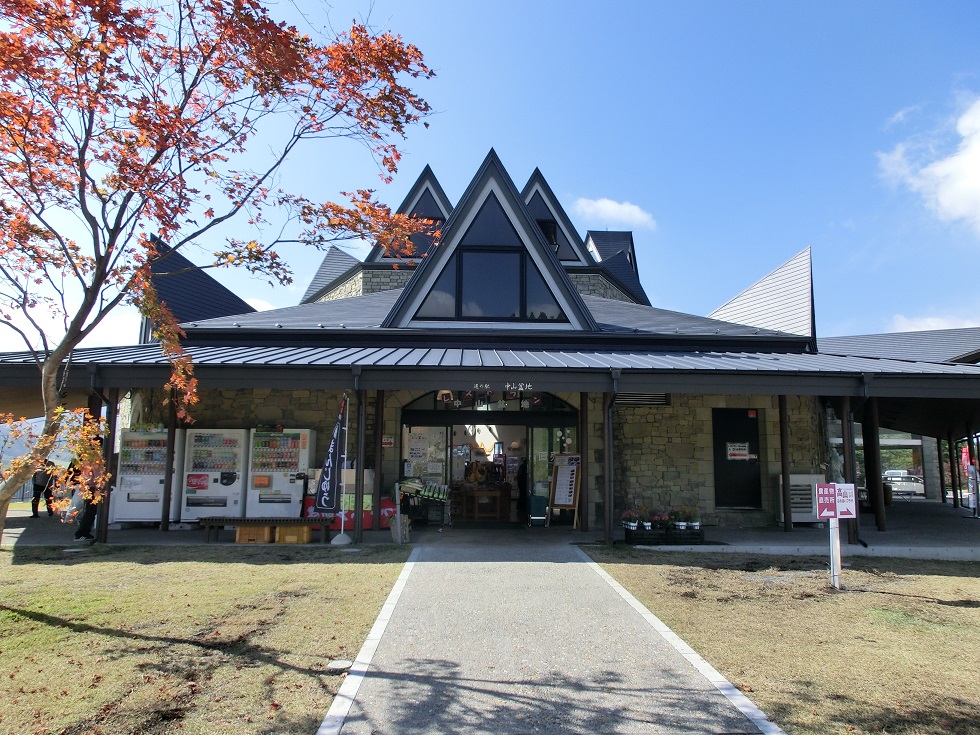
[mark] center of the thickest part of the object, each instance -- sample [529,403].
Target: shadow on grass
[844,713]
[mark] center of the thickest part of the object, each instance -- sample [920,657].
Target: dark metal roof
[620,269]
[335,264]
[189,292]
[621,316]
[611,242]
[939,345]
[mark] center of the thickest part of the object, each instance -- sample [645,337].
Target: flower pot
[680,525]
[694,525]
[631,525]
[647,525]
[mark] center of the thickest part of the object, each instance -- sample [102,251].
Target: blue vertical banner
[328,489]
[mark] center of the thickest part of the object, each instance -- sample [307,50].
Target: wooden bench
[216,524]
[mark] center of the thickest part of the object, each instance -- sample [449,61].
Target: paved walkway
[526,635]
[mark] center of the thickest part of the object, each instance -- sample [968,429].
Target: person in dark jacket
[43,486]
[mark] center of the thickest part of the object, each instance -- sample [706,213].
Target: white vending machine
[275,460]
[214,473]
[138,485]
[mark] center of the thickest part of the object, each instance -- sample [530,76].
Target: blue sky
[740,133]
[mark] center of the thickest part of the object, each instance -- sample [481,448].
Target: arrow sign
[826,500]
[846,500]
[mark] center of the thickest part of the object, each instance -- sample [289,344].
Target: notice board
[565,474]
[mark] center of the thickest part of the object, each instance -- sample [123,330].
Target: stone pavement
[526,635]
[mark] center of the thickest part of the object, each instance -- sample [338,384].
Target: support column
[942,470]
[607,467]
[872,461]
[379,421]
[168,472]
[850,471]
[954,473]
[583,445]
[784,463]
[359,470]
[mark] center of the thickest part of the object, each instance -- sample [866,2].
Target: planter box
[661,536]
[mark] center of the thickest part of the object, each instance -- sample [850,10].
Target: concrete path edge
[742,703]
[333,721]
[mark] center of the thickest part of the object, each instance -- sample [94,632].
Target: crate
[294,534]
[253,535]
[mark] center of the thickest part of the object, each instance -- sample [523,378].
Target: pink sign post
[835,501]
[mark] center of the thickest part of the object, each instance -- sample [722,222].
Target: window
[491,284]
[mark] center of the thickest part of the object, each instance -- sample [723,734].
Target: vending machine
[278,461]
[139,481]
[214,473]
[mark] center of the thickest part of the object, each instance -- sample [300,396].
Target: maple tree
[125,124]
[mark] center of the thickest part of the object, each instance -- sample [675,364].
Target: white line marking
[742,703]
[333,721]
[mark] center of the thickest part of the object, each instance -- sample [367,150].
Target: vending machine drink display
[214,472]
[140,476]
[275,460]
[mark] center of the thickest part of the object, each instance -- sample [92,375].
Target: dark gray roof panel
[608,243]
[355,312]
[623,274]
[335,264]
[939,345]
[189,292]
[619,316]
[412,358]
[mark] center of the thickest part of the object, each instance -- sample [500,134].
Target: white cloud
[949,185]
[902,323]
[617,214]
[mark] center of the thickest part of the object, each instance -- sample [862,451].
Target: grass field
[896,651]
[111,640]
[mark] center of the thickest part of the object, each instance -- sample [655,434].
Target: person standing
[88,476]
[522,499]
[43,482]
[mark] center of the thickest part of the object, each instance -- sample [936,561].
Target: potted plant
[678,516]
[694,519]
[659,518]
[631,517]
[644,517]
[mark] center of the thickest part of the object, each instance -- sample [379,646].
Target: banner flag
[328,490]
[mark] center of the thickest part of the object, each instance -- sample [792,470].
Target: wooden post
[872,461]
[359,470]
[379,427]
[168,472]
[942,471]
[784,462]
[607,467]
[583,444]
[850,472]
[954,472]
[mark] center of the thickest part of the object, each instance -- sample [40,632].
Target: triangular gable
[425,199]
[335,263]
[543,205]
[188,291]
[782,300]
[490,227]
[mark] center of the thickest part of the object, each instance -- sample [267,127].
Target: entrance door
[738,481]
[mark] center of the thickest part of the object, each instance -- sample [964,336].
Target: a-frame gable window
[491,284]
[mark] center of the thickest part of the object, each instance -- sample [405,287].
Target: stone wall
[370,281]
[664,455]
[594,284]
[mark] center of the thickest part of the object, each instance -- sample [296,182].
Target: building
[515,338]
